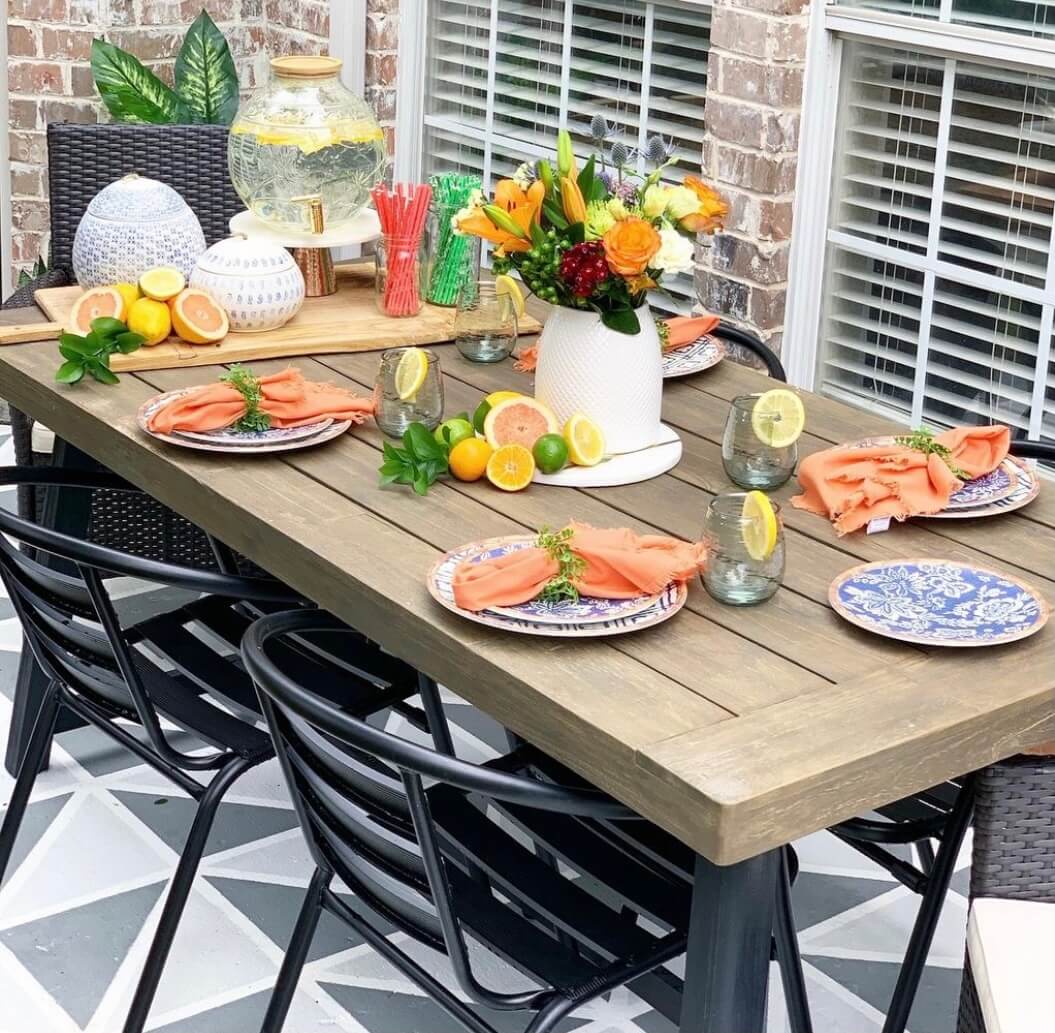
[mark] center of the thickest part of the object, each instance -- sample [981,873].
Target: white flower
[675,254]
[655,201]
[524,175]
[681,201]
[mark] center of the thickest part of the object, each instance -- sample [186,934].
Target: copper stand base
[316,263]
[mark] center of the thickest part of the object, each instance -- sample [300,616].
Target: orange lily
[572,200]
[712,211]
[520,207]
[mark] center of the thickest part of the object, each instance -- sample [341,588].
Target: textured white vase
[615,379]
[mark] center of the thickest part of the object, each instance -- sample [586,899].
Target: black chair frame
[755,345]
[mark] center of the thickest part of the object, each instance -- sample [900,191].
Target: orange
[519,421]
[92,304]
[468,459]
[197,317]
[511,468]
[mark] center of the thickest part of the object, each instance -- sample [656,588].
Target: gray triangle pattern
[74,955]
[35,823]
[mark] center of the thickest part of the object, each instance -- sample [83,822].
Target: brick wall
[49,78]
[757,58]
[382,47]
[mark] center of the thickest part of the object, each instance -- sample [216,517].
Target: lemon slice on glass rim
[759,527]
[778,418]
[410,373]
[505,284]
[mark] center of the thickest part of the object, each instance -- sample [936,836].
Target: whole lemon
[468,459]
[150,318]
[129,295]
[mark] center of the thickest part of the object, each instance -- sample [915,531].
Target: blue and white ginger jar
[257,282]
[133,225]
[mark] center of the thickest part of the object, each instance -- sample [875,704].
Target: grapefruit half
[92,304]
[197,317]
[519,421]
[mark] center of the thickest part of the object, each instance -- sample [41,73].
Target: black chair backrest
[1042,450]
[360,797]
[82,159]
[67,614]
[754,345]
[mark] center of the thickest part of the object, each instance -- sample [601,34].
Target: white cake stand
[363,228]
[628,468]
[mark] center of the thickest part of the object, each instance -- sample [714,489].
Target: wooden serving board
[347,321]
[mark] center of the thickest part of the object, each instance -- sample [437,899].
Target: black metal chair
[180,666]
[448,861]
[752,344]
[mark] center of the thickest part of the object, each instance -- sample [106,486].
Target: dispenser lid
[306,67]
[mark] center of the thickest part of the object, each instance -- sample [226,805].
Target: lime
[453,431]
[480,415]
[551,453]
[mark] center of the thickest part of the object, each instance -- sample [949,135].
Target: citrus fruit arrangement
[508,437]
[158,305]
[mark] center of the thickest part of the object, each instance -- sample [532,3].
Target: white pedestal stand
[362,229]
[628,468]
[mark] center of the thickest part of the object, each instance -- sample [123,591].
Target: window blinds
[1031,17]
[502,76]
[941,271]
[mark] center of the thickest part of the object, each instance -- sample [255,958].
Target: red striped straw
[402,213]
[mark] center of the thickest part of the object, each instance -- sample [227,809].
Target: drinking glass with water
[745,548]
[408,389]
[485,322]
[754,452]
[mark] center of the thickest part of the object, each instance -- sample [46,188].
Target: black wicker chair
[743,341]
[450,860]
[108,675]
[82,159]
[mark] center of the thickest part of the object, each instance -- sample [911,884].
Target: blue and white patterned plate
[694,357]
[938,603]
[245,439]
[440,586]
[987,489]
[1026,490]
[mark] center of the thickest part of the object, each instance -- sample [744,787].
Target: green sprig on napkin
[923,440]
[242,379]
[571,567]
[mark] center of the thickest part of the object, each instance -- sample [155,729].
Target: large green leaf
[131,92]
[206,78]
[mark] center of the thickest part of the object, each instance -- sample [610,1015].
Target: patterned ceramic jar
[133,225]
[258,283]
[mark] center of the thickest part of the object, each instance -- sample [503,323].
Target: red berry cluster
[584,268]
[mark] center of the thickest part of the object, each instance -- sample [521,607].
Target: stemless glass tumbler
[733,575]
[749,462]
[485,322]
[394,414]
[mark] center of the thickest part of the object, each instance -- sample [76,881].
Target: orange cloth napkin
[289,399]
[683,330]
[853,486]
[619,565]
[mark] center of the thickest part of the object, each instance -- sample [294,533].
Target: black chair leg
[788,955]
[36,752]
[925,853]
[296,954]
[937,887]
[180,889]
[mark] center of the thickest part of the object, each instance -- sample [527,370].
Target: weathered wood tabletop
[735,729]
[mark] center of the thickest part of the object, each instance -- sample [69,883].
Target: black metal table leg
[64,511]
[729,949]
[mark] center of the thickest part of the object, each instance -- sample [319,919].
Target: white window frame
[831,26]
[6,276]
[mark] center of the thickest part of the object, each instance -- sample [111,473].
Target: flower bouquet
[593,241]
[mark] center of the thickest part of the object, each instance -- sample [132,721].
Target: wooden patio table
[735,729]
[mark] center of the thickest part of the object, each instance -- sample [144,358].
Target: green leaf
[538,234]
[129,342]
[624,320]
[206,79]
[70,372]
[130,91]
[101,371]
[577,232]
[554,213]
[75,343]
[387,478]
[419,442]
[586,178]
[107,326]
[421,483]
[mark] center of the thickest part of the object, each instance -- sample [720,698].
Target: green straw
[452,264]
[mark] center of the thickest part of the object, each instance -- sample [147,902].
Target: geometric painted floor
[102,835]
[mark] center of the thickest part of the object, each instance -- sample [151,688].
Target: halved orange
[93,304]
[519,421]
[197,317]
[511,468]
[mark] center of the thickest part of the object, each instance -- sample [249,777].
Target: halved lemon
[778,418]
[759,529]
[511,467]
[585,440]
[505,284]
[410,373]
[162,283]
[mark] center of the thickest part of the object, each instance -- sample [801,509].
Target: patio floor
[102,835]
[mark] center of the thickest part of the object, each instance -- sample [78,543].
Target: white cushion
[1011,944]
[43,439]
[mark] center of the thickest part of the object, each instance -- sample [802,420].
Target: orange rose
[629,245]
[713,209]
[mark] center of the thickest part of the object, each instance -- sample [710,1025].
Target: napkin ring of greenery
[241,378]
[923,440]
[570,567]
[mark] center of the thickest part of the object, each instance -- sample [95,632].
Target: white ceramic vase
[257,282]
[615,379]
[133,225]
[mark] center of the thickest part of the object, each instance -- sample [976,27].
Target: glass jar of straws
[402,256]
[455,256]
